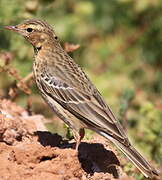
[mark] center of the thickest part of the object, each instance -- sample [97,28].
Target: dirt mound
[29,152]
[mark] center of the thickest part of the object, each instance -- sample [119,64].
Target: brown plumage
[70,93]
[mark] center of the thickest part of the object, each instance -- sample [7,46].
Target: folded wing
[88,107]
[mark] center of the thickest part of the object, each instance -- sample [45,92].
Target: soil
[29,152]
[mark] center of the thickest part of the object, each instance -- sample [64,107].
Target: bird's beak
[16,29]
[12,28]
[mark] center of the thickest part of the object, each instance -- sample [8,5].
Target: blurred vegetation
[120,49]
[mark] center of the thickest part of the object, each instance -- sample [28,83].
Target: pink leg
[78,137]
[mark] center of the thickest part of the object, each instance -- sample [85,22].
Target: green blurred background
[120,49]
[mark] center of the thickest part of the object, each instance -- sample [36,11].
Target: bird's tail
[135,157]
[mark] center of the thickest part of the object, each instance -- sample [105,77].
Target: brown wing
[89,108]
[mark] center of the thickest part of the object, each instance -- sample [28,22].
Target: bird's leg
[78,136]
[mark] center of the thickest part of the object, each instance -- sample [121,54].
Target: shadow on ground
[92,156]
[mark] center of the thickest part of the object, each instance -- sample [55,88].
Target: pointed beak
[16,29]
[12,28]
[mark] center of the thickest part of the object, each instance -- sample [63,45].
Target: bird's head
[37,32]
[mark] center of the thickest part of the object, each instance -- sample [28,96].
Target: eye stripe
[38,24]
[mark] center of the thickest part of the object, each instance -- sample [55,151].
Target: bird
[70,93]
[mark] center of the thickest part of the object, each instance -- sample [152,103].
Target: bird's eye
[29,29]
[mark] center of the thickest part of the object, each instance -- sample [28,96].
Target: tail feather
[135,157]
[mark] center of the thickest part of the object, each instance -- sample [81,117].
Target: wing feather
[89,108]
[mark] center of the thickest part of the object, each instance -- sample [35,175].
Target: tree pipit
[70,93]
